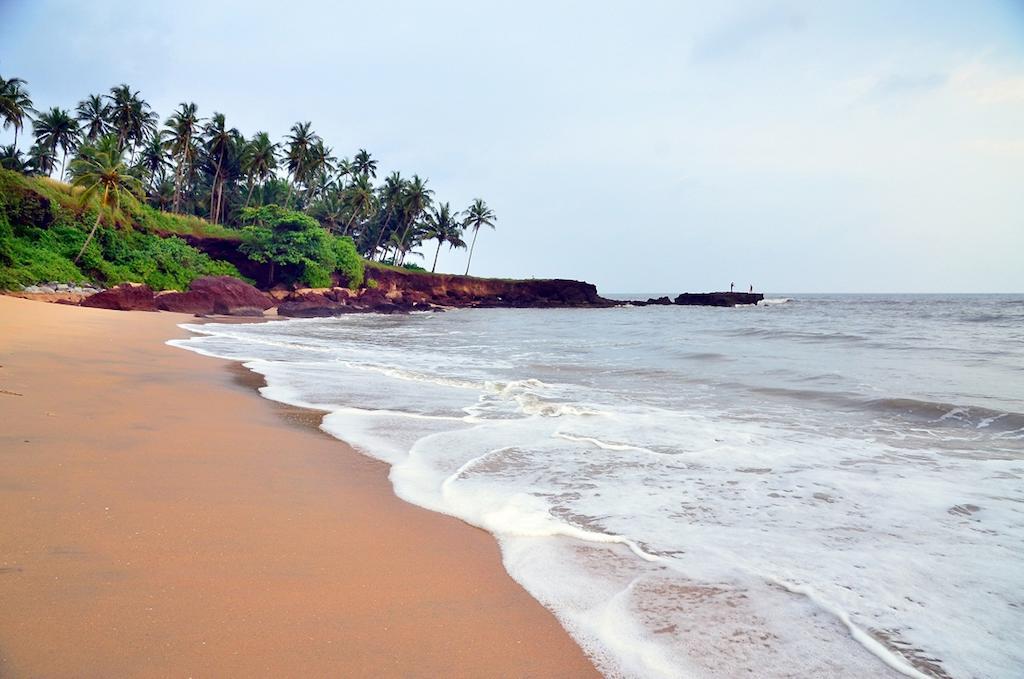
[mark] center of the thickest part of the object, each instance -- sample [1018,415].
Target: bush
[42,229]
[296,242]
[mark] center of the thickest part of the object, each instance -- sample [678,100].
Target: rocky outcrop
[466,291]
[216,295]
[718,298]
[124,297]
[723,299]
[325,302]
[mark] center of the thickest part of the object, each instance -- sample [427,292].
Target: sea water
[818,486]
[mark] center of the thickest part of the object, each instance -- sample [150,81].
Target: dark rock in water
[726,299]
[124,297]
[658,301]
[216,295]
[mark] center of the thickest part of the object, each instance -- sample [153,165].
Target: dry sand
[159,518]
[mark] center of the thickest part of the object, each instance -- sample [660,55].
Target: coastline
[160,517]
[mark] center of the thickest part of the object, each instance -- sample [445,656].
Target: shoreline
[162,518]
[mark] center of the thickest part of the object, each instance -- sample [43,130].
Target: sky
[642,146]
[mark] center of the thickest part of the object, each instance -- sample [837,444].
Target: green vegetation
[197,176]
[286,238]
[44,225]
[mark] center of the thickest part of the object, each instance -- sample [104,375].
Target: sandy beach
[159,518]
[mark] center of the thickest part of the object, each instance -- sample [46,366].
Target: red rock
[217,295]
[124,297]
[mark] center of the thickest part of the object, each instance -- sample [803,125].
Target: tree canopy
[200,165]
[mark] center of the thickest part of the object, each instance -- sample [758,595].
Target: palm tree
[182,127]
[15,105]
[477,215]
[344,169]
[360,198]
[329,211]
[219,141]
[56,128]
[445,227]
[391,193]
[300,141]
[93,115]
[153,157]
[320,166]
[100,171]
[259,161]
[415,202]
[129,116]
[42,159]
[364,164]
[11,159]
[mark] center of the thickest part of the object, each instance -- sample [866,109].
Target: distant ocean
[816,486]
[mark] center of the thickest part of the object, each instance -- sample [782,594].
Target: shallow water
[825,486]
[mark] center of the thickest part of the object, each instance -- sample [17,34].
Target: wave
[639,520]
[798,336]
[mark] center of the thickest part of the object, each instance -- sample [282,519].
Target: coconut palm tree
[153,158]
[414,203]
[344,169]
[182,127]
[477,215]
[360,198]
[319,169]
[391,194]
[100,172]
[219,142]
[93,117]
[129,116]
[56,128]
[258,161]
[364,164]
[300,141]
[42,160]
[444,227]
[15,105]
[329,210]
[11,159]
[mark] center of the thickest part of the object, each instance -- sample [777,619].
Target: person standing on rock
[731,286]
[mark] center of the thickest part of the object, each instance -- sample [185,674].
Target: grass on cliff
[43,226]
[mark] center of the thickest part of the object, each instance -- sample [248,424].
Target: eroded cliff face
[451,290]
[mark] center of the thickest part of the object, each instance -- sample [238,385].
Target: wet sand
[159,518]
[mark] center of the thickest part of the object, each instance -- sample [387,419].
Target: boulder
[312,304]
[216,295]
[124,297]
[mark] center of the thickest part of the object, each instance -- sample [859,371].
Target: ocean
[817,486]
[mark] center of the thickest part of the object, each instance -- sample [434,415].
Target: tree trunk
[92,233]
[468,261]
[270,274]
[434,268]
[177,185]
[348,227]
[213,191]
[288,199]
[252,185]
[380,235]
[62,161]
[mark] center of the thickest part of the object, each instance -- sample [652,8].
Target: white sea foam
[684,525]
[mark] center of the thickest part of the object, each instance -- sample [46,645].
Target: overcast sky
[643,146]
